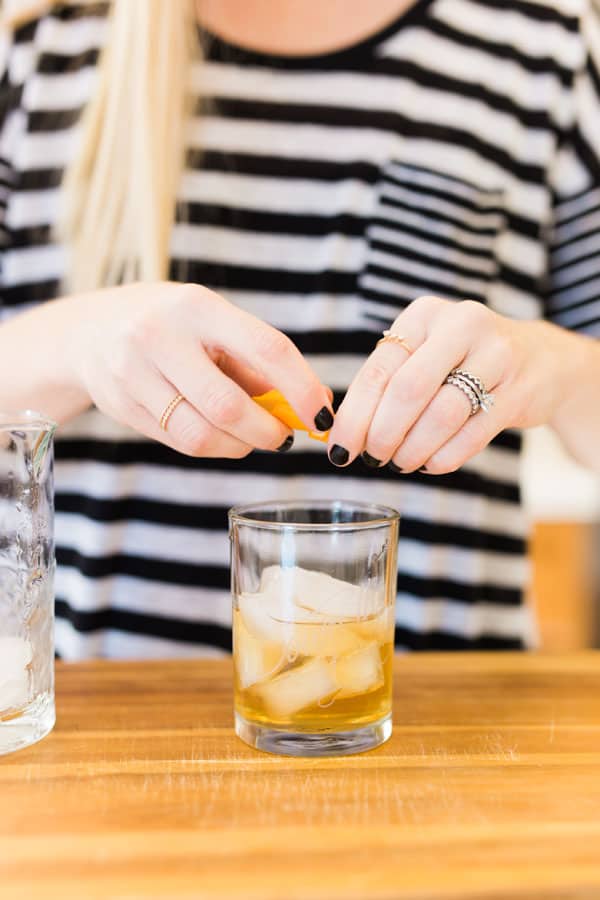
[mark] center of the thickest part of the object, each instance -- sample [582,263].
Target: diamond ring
[473,388]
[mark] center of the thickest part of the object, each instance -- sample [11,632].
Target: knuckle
[427,303]
[192,437]
[182,302]
[448,413]
[271,344]
[222,406]
[182,297]
[142,332]
[473,314]
[375,377]
[413,392]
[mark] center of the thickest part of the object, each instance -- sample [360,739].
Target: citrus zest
[275,403]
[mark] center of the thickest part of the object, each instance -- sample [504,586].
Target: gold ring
[169,410]
[393,338]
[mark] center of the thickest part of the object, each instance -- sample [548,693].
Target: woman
[340,161]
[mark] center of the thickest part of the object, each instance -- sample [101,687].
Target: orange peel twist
[275,403]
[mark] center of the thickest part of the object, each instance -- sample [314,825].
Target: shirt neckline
[218,49]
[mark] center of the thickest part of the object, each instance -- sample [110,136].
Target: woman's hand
[144,344]
[398,409]
[131,350]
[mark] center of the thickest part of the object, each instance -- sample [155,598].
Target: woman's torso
[322,194]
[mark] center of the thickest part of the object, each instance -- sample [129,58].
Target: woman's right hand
[134,348]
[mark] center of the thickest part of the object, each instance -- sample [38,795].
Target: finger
[353,418]
[195,436]
[471,439]
[455,332]
[219,399]
[249,380]
[135,376]
[270,353]
[187,431]
[411,389]
[446,414]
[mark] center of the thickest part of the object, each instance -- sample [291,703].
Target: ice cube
[15,653]
[270,575]
[255,660]
[15,656]
[276,613]
[330,597]
[298,688]
[266,616]
[320,638]
[378,628]
[358,673]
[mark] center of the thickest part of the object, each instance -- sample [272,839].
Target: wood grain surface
[489,788]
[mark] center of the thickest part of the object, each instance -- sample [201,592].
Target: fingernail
[323,420]
[423,469]
[287,444]
[338,455]
[370,461]
[395,468]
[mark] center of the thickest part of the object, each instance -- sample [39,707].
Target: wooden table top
[489,787]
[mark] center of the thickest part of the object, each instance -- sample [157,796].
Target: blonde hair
[120,189]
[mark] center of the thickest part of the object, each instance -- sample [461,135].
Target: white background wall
[554,486]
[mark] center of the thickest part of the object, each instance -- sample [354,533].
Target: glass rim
[386,515]
[25,419]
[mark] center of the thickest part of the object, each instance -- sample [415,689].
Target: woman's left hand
[398,408]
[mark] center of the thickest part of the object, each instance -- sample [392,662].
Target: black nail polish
[395,468]
[423,469]
[370,461]
[323,420]
[338,455]
[287,444]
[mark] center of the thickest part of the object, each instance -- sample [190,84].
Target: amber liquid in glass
[314,663]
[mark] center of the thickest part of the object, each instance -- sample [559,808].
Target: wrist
[575,371]
[68,375]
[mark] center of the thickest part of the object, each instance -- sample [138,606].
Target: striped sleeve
[573,298]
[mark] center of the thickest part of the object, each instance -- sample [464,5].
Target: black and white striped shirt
[456,153]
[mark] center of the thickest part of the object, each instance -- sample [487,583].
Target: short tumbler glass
[314,588]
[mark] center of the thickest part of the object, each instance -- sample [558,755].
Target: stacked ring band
[475,381]
[473,388]
[467,390]
[169,410]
